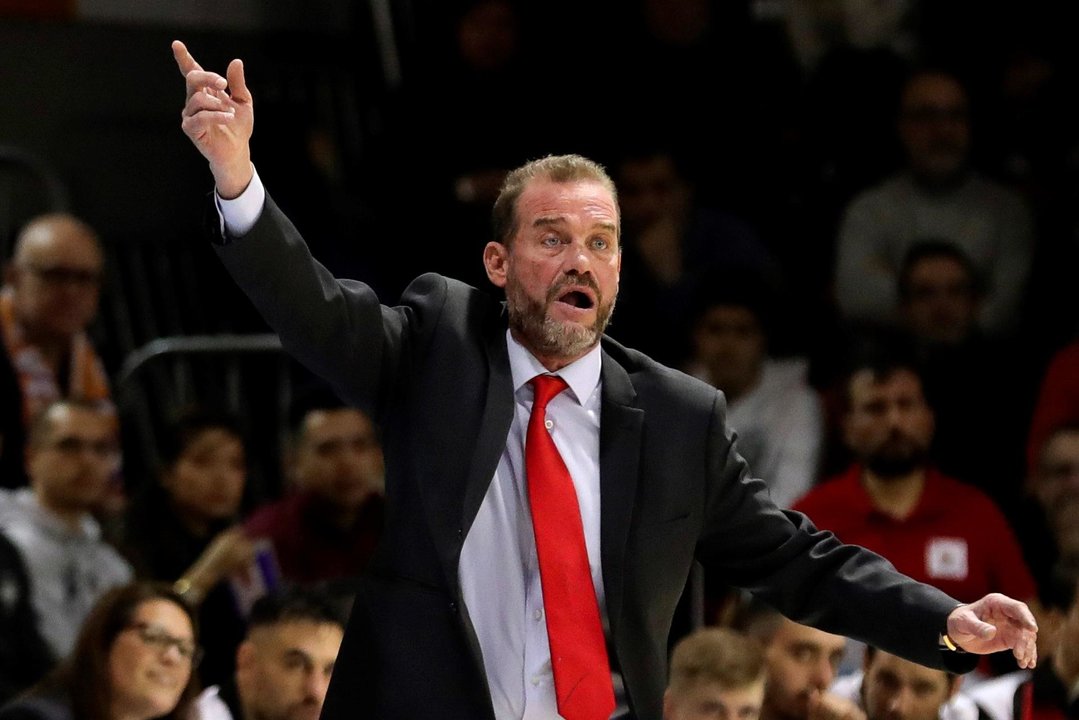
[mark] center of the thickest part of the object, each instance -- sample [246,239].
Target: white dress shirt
[499,570]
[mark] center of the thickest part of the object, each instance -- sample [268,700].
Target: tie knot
[546,387]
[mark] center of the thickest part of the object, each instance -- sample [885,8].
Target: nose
[899,706]
[577,260]
[316,684]
[823,673]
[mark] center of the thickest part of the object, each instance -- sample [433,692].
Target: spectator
[1051,690]
[770,404]
[1058,400]
[801,664]
[1047,517]
[329,526]
[71,455]
[183,528]
[715,673]
[24,657]
[133,660]
[977,432]
[49,298]
[891,688]
[894,501]
[670,243]
[284,665]
[937,195]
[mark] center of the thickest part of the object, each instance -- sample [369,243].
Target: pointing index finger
[184,60]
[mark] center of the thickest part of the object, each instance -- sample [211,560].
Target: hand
[828,706]
[995,623]
[219,118]
[230,552]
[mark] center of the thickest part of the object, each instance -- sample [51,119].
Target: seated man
[891,688]
[70,458]
[895,502]
[49,298]
[1052,689]
[801,664]
[283,667]
[715,673]
[327,528]
[770,403]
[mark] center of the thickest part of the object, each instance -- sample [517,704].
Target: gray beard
[552,338]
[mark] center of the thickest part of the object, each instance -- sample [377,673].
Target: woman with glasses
[134,660]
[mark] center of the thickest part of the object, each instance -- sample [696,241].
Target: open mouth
[580,299]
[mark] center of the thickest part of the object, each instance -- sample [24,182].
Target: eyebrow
[560,220]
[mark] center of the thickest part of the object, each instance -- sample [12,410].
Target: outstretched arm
[996,623]
[218,117]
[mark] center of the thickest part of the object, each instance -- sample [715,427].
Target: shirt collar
[582,375]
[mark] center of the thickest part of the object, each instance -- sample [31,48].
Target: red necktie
[582,675]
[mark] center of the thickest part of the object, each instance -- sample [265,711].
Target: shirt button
[548,424]
[538,615]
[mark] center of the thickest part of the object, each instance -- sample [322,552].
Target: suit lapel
[493,430]
[619,454]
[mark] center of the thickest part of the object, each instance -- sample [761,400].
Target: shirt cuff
[240,214]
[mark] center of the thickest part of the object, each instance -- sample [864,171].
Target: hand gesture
[219,118]
[995,623]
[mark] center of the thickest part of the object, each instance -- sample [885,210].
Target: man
[716,674]
[801,664]
[327,528]
[1052,689]
[891,688]
[937,195]
[940,297]
[70,458]
[1047,515]
[283,666]
[771,405]
[49,297]
[453,615]
[895,502]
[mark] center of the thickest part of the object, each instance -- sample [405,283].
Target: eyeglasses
[157,637]
[60,275]
[104,449]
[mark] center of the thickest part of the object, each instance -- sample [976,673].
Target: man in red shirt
[893,501]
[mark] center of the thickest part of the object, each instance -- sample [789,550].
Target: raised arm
[219,118]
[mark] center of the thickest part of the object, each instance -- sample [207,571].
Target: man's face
[339,457]
[56,278]
[1055,484]
[889,425]
[730,342]
[934,127]
[560,270]
[799,660]
[897,689]
[283,670]
[941,305]
[706,700]
[70,467]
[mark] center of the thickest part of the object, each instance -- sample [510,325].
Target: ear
[495,261]
[245,661]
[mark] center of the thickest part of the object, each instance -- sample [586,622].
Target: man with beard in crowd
[533,556]
[894,501]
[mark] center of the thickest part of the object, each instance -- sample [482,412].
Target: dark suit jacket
[434,372]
